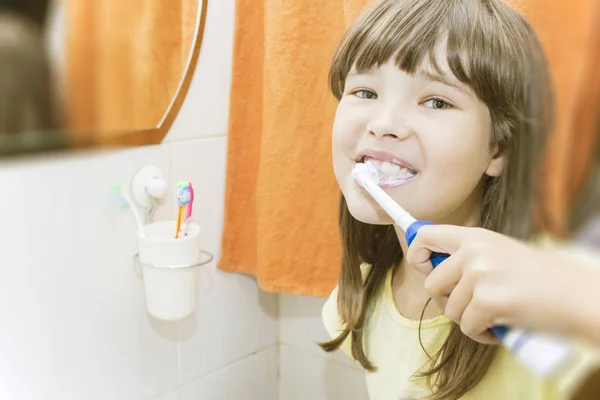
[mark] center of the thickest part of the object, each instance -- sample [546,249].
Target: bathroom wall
[73,323]
[306,372]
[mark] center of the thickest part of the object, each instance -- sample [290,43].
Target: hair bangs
[409,32]
[387,32]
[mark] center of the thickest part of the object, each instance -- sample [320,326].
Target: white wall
[73,323]
[307,372]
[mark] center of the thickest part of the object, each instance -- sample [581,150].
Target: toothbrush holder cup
[170,269]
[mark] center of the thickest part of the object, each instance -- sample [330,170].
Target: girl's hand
[490,280]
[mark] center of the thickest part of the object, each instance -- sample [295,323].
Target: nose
[390,123]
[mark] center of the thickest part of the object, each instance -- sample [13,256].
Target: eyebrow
[433,77]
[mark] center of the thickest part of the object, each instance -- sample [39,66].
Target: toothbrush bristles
[365,171]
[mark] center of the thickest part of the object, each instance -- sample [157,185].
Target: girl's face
[427,133]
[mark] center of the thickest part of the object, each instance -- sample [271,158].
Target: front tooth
[392,169]
[387,168]
[372,162]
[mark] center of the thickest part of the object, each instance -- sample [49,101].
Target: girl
[451,100]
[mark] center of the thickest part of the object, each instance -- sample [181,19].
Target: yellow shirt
[391,342]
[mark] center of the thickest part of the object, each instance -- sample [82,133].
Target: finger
[441,238]
[441,302]
[458,300]
[443,280]
[486,337]
[476,323]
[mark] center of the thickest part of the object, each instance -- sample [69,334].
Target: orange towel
[281,201]
[281,198]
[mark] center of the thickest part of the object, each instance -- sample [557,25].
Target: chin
[369,217]
[364,208]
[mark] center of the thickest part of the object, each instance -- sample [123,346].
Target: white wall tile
[306,376]
[74,323]
[205,110]
[233,320]
[78,326]
[252,378]
[301,326]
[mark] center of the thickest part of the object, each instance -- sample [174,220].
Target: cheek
[345,133]
[339,148]
[460,163]
[462,150]
[454,166]
[337,139]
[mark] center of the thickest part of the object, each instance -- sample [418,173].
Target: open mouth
[391,173]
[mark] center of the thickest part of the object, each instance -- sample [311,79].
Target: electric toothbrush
[543,354]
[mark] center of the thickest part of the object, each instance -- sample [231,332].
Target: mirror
[79,74]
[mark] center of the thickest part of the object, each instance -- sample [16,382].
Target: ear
[496,164]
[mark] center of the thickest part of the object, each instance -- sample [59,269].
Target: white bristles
[367,171]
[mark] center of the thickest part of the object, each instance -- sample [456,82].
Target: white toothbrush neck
[399,215]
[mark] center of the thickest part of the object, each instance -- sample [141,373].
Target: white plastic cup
[170,269]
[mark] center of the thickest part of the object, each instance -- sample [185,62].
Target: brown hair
[492,49]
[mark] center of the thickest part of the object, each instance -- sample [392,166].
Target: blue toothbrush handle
[437,258]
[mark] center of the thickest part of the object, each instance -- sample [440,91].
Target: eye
[437,104]
[365,94]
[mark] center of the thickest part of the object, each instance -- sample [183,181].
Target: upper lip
[383,156]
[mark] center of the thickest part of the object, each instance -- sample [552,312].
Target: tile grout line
[323,357]
[179,370]
[235,361]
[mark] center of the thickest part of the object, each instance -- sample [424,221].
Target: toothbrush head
[119,194]
[367,176]
[185,193]
[365,173]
